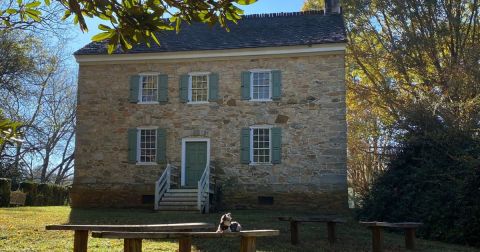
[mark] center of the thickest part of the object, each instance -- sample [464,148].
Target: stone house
[257,113]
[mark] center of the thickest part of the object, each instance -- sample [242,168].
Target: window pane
[149,88]
[199,88]
[261,85]
[148,145]
[261,145]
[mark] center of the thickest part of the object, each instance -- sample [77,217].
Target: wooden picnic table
[133,240]
[294,231]
[80,240]
[377,233]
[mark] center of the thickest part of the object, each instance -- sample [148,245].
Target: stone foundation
[111,195]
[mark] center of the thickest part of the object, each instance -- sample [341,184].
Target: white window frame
[190,75]
[270,89]
[269,127]
[139,151]
[140,87]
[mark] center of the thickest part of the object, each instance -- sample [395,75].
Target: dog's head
[226,219]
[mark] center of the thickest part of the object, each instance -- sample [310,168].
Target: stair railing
[162,185]
[203,197]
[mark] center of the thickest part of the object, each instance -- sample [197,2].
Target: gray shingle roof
[252,31]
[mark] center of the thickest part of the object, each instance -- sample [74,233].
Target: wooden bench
[80,240]
[377,233]
[294,231]
[17,198]
[133,240]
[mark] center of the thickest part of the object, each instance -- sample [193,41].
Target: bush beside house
[434,178]
[44,194]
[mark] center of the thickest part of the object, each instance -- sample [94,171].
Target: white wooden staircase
[179,200]
[170,198]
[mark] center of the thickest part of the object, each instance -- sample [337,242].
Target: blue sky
[262,6]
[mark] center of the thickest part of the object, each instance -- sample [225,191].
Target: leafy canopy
[127,22]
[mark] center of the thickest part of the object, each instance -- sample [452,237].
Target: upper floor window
[261,85]
[149,88]
[198,88]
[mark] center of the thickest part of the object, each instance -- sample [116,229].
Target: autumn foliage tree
[414,112]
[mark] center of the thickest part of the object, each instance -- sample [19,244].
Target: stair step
[179,199]
[178,203]
[181,190]
[169,194]
[177,208]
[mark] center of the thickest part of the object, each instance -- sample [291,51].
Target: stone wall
[311,114]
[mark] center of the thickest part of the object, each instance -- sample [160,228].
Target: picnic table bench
[294,231]
[377,233]
[80,240]
[133,240]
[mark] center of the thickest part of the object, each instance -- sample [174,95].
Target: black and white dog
[227,225]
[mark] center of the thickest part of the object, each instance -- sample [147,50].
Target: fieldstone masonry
[311,113]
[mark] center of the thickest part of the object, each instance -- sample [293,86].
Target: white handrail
[162,185]
[203,196]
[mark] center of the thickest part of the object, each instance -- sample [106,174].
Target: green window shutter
[276,145]
[213,87]
[132,146]
[161,145]
[276,84]
[184,87]
[134,88]
[245,85]
[245,146]
[163,88]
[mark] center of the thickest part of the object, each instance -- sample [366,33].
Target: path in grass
[23,229]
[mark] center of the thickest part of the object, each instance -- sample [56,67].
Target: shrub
[433,178]
[5,185]
[44,194]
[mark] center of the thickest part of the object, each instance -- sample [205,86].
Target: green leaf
[155,38]
[66,14]
[34,4]
[111,47]
[102,36]
[102,16]
[11,11]
[104,27]
[245,2]
[47,2]
[33,14]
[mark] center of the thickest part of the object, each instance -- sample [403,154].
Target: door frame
[184,152]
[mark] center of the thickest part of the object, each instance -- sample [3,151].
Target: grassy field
[23,229]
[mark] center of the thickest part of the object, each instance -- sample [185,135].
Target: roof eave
[215,54]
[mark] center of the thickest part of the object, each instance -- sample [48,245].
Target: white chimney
[332,6]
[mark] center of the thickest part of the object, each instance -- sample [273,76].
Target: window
[260,145]
[147,145]
[148,88]
[261,85]
[198,91]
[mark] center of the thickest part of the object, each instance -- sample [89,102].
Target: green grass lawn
[23,229]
